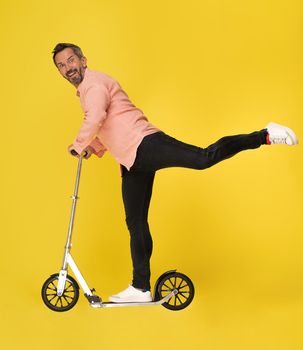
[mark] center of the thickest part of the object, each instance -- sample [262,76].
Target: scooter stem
[74,197]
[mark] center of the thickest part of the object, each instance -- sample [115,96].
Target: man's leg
[136,191]
[159,150]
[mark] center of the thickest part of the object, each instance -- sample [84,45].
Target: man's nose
[68,67]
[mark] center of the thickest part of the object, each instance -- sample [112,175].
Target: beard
[75,76]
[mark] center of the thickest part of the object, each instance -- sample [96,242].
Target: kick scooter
[60,292]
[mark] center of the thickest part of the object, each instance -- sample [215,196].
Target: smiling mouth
[71,74]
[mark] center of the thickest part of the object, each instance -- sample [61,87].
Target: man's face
[71,66]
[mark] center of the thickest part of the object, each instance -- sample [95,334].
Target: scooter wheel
[64,302]
[185,290]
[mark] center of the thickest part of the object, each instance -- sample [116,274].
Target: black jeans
[158,151]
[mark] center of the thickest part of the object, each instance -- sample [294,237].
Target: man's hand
[89,151]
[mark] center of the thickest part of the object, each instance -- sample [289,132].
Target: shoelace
[278,140]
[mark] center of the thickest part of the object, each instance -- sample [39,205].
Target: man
[111,122]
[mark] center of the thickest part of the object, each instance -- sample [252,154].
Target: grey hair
[61,46]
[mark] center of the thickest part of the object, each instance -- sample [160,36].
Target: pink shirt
[111,122]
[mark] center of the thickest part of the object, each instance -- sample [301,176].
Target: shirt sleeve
[95,102]
[98,147]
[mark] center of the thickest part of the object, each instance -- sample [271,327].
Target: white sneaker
[131,295]
[281,134]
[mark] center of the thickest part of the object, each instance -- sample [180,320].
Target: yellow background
[199,70]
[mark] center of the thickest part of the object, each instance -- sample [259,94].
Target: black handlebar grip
[73,152]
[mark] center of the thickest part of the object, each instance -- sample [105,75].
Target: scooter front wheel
[184,287]
[64,302]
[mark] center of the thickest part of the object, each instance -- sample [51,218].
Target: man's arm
[96,101]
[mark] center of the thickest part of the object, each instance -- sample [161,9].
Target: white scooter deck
[151,303]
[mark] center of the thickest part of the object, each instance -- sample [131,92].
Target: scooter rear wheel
[185,290]
[64,302]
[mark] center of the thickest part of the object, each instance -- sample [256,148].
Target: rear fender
[156,293]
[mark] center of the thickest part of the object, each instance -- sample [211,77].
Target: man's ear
[84,61]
